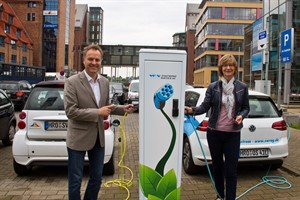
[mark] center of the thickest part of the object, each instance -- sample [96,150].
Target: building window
[30,16]
[7,28]
[24,47]
[2,55]
[13,58]
[31,4]
[24,60]
[10,19]
[214,76]
[13,44]
[18,33]
[1,41]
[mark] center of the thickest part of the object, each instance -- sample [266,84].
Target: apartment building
[220,30]
[95,31]
[50,25]
[15,45]
[281,78]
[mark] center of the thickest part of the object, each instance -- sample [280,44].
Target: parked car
[264,137]
[133,93]
[17,91]
[118,93]
[7,119]
[41,138]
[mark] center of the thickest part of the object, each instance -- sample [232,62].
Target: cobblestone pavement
[51,182]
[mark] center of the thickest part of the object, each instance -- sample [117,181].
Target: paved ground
[51,182]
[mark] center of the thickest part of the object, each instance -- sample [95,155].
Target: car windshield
[134,87]
[117,87]
[46,99]
[8,86]
[261,107]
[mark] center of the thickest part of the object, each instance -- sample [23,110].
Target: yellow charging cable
[122,182]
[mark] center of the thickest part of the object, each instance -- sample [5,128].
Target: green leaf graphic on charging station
[167,184]
[149,180]
[152,197]
[174,194]
[156,187]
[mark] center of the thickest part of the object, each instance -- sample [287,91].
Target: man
[86,104]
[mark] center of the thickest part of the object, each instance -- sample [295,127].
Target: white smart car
[264,137]
[41,138]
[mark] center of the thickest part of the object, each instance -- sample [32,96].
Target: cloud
[141,22]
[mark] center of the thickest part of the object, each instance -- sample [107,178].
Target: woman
[229,104]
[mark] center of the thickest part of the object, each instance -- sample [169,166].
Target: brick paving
[51,182]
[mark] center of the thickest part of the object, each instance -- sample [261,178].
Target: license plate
[56,125]
[254,153]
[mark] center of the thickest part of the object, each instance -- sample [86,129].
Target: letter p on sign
[286,38]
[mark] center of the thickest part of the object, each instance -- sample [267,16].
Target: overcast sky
[141,22]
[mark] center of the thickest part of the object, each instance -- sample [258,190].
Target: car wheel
[109,167]
[21,169]
[10,136]
[187,158]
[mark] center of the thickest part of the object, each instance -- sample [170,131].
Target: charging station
[161,117]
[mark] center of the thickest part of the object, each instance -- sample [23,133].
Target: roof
[81,10]
[15,24]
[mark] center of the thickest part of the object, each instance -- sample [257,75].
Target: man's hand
[130,108]
[106,110]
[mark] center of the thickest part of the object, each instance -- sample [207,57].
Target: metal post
[250,68]
[239,63]
[279,84]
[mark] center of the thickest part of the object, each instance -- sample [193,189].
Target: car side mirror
[115,122]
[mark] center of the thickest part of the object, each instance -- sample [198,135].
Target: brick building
[50,25]
[15,45]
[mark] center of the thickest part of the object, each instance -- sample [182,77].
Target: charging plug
[162,95]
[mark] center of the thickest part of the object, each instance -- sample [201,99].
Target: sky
[141,22]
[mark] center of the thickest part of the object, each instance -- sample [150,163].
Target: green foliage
[157,187]
[296,126]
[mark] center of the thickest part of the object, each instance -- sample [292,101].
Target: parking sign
[262,40]
[287,45]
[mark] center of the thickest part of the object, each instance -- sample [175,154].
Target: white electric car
[264,137]
[41,138]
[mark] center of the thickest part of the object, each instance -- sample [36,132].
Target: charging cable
[121,182]
[272,181]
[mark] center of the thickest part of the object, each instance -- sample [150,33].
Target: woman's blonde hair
[227,59]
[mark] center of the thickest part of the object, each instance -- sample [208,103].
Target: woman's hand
[188,110]
[238,119]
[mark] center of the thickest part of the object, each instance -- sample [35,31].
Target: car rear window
[262,107]
[9,86]
[191,99]
[134,87]
[46,99]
